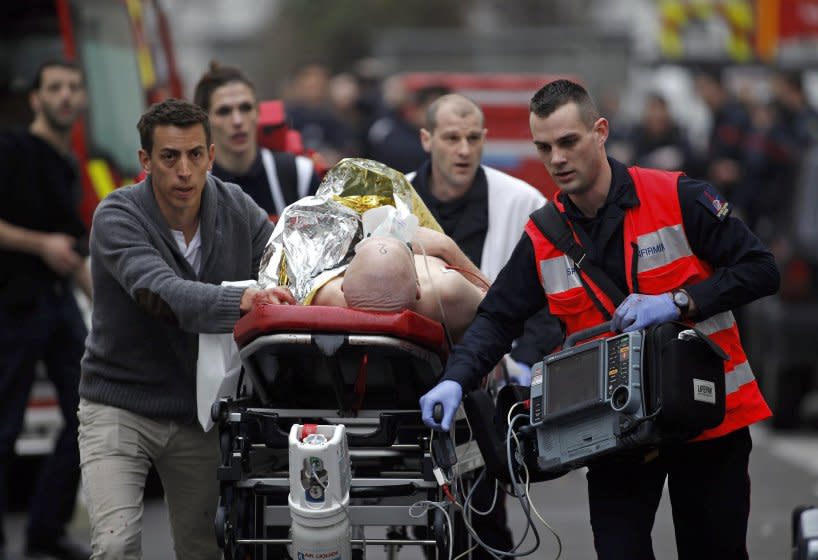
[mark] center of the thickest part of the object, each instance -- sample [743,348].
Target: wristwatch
[682,301]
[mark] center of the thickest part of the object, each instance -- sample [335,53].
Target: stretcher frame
[388,445]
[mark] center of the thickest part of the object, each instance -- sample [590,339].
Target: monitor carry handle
[584,334]
[602,328]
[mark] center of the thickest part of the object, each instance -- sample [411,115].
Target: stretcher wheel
[222,527]
[441,534]
[218,411]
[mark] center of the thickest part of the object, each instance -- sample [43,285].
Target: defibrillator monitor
[573,381]
[580,379]
[631,390]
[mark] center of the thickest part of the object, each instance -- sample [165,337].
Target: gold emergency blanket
[315,237]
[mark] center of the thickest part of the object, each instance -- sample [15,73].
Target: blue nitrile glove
[448,393]
[523,375]
[639,311]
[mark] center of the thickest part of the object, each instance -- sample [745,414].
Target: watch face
[681,300]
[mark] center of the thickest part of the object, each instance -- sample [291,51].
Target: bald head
[381,276]
[459,105]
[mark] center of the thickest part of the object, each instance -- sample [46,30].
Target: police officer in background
[273,179]
[670,242]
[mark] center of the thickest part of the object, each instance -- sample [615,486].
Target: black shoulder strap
[287,176]
[554,227]
[552,224]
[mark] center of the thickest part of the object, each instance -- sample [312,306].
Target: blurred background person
[43,251]
[657,140]
[370,75]
[273,179]
[770,168]
[610,105]
[394,138]
[310,113]
[348,107]
[783,129]
[793,134]
[797,117]
[722,164]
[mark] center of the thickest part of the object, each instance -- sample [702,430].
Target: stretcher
[329,366]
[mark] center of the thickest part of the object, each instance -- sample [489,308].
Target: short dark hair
[37,82]
[171,112]
[709,72]
[792,79]
[554,95]
[655,97]
[216,77]
[427,94]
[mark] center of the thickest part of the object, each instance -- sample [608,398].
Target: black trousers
[53,331]
[709,490]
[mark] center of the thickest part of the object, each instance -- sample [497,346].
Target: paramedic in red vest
[670,242]
[273,179]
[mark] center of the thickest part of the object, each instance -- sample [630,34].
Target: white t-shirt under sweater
[192,251]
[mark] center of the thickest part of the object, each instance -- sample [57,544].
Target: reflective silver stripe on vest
[559,275]
[716,323]
[741,375]
[662,247]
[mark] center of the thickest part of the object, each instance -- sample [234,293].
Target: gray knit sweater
[149,305]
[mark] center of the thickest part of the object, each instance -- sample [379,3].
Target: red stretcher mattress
[406,325]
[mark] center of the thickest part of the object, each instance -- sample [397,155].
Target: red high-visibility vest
[664,262]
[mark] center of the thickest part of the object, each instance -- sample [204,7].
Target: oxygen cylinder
[319,492]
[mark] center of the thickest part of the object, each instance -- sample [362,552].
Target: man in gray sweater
[159,251]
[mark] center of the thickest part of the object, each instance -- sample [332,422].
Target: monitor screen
[573,380]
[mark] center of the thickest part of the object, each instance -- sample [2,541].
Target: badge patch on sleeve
[715,203]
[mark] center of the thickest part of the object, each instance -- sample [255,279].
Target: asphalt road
[783,469]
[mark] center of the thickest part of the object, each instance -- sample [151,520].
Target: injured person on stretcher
[365,242]
[358,243]
[384,275]
[349,246]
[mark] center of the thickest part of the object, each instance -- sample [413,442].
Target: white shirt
[192,251]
